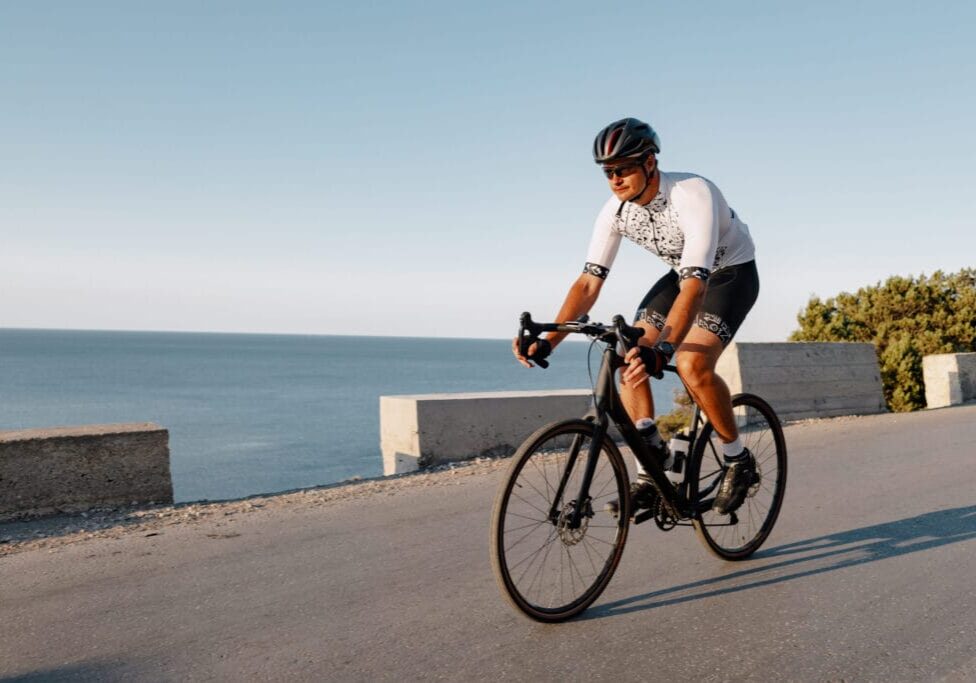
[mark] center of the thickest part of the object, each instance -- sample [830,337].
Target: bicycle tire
[524,534]
[762,434]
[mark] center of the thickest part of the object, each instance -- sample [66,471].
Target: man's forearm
[579,300]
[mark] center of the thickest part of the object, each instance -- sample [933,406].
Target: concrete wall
[806,379]
[799,380]
[950,379]
[43,471]
[426,430]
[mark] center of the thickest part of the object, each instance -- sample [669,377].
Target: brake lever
[528,337]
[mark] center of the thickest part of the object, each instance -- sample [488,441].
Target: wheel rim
[549,565]
[761,434]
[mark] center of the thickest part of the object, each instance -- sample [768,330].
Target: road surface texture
[868,576]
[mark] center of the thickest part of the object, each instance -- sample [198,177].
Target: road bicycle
[561,516]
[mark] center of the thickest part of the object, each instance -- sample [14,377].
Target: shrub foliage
[671,423]
[905,318]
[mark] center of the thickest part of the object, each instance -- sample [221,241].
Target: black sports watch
[665,347]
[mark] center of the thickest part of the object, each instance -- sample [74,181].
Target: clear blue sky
[423,168]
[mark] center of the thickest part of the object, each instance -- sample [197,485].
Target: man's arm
[579,300]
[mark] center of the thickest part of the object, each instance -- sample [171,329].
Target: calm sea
[256,413]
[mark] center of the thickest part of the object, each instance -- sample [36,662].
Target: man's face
[628,177]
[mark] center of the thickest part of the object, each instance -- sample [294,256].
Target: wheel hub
[569,534]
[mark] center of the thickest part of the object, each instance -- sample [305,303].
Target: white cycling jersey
[688,224]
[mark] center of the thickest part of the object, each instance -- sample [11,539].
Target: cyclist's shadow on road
[814,556]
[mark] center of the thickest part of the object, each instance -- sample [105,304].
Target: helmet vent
[612,142]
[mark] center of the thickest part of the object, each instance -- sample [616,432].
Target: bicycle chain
[663,505]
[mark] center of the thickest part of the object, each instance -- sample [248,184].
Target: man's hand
[540,350]
[644,362]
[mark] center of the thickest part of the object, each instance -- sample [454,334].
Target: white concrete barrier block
[950,379]
[806,379]
[432,429]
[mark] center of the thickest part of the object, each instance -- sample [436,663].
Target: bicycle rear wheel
[547,567]
[737,536]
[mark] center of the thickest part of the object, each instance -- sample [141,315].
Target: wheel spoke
[537,509]
[548,547]
[544,496]
[534,519]
[589,554]
[527,534]
[534,524]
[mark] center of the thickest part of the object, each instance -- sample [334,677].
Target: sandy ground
[54,531]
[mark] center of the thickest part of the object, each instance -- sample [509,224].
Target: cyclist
[693,311]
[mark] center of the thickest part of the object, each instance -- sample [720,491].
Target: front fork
[583,506]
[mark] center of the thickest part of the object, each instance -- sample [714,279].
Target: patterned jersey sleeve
[699,217]
[604,243]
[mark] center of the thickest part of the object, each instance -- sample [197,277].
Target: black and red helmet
[625,139]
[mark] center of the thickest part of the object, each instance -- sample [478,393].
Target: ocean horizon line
[243,334]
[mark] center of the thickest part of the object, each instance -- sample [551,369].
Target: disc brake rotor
[567,534]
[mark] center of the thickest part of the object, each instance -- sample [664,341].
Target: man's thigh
[699,351]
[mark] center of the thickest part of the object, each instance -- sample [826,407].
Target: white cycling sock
[648,431]
[733,449]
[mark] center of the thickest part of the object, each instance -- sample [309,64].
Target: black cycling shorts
[730,295]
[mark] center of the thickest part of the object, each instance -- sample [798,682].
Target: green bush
[671,423]
[905,318]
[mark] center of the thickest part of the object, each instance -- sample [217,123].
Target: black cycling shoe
[643,496]
[740,475]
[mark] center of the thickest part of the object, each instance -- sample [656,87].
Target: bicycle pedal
[643,516]
[612,508]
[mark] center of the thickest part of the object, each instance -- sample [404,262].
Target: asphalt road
[868,576]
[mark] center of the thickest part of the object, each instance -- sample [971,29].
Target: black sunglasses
[623,170]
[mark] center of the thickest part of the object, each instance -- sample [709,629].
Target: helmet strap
[648,179]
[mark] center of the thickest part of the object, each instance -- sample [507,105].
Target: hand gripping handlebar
[528,335]
[619,331]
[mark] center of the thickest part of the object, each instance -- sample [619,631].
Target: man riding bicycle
[691,313]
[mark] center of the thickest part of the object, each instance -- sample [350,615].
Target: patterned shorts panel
[713,323]
[652,317]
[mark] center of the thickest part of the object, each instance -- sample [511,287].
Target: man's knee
[696,369]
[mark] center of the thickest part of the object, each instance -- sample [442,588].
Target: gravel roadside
[50,532]
[54,531]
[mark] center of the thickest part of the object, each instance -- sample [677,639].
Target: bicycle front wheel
[739,535]
[550,562]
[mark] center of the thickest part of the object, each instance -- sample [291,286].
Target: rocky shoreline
[51,532]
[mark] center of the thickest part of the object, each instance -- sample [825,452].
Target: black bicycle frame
[606,403]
